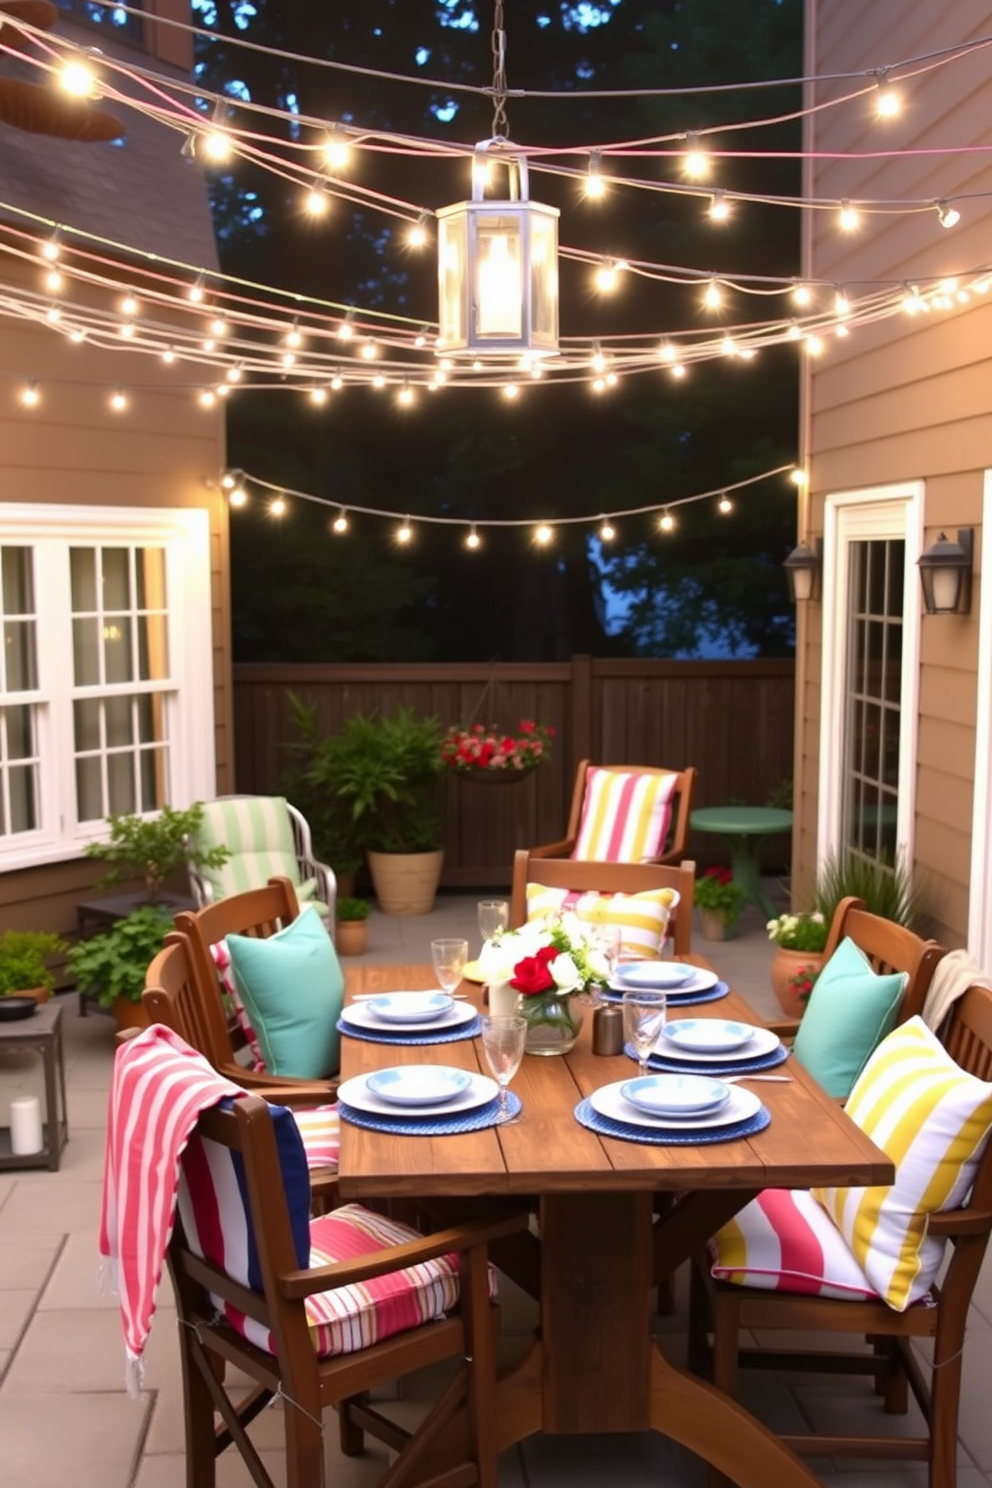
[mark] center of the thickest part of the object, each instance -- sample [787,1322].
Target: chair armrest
[786,1028]
[561,849]
[276,1088]
[297,1284]
[959,1222]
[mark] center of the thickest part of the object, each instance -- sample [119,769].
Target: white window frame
[184,533]
[979,909]
[879,512]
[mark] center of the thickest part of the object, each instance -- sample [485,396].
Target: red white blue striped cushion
[785,1241]
[214,1212]
[625,815]
[221,957]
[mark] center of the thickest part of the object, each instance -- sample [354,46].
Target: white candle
[503,999]
[25,1126]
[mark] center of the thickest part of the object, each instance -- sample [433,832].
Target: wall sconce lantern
[802,568]
[945,573]
[498,267]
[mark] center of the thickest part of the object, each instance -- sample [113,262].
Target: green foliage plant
[886,887]
[385,767]
[349,909]
[152,848]
[24,957]
[806,931]
[334,834]
[113,964]
[717,892]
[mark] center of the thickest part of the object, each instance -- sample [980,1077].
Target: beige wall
[907,398]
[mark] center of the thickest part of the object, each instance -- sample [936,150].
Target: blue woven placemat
[666,1136]
[432,1126]
[688,999]
[729,1067]
[452,1036]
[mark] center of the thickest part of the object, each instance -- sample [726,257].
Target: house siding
[905,399]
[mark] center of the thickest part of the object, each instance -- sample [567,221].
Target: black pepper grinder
[607,1030]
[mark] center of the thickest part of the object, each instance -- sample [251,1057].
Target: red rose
[531,975]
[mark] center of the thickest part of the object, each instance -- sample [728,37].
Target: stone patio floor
[64,1415]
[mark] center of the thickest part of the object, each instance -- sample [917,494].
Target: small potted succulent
[24,963]
[110,967]
[719,899]
[351,932]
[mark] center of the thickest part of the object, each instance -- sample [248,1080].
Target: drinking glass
[494,914]
[643,1020]
[503,1045]
[449,957]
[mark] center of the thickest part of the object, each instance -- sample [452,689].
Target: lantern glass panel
[452,241]
[544,279]
[499,276]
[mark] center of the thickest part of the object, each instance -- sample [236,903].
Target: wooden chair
[892,1359]
[607,878]
[289,1356]
[678,831]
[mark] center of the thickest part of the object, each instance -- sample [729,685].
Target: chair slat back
[889,947]
[173,996]
[681,803]
[607,878]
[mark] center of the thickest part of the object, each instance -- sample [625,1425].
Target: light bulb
[728,346]
[842,304]
[168,356]
[695,162]
[607,531]
[666,522]
[77,78]
[208,344]
[677,370]
[196,290]
[420,340]
[378,382]
[473,540]
[53,281]
[238,496]
[316,202]
[30,396]
[54,314]
[595,186]
[77,335]
[598,363]
[813,345]
[668,352]
[206,398]
[288,359]
[417,236]
[318,396]
[229,480]
[606,277]
[947,216]
[888,104]
[293,337]
[129,305]
[337,151]
[798,476]
[277,507]
[404,533]
[725,506]
[340,523]
[223,391]
[337,382]
[346,329]
[51,249]
[127,330]
[850,217]
[218,326]
[599,385]
[406,396]
[719,208]
[369,350]
[218,146]
[118,400]
[802,294]
[235,373]
[511,392]
[712,296]
[543,535]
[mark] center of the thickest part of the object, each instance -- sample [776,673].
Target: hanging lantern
[498,268]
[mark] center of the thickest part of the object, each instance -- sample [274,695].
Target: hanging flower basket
[484,754]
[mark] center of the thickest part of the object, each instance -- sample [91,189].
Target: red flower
[722,875]
[531,975]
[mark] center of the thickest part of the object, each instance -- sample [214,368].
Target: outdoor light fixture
[801,569]
[498,266]
[945,573]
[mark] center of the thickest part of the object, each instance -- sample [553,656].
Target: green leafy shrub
[24,957]
[113,964]
[152,848]
[351,909]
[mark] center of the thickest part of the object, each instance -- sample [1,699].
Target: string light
[129,305]
[217,142]
[813,345]
[77,335]
[404,533]
[340,523]
[337,151]
[317,202]
[802,295]
[473,540]
[850,217]
[30,396]
[293,336]
[719,207]
[725,506]
[369,350]
[52,247]
[238,495]
[378,382]
[666,522]
[118,401]
[695,162]
[277,507]
[947,216]
[543,535]
[218,326]
[607,276]
[337,382]
[235,373]
[418,235]
[511,392]
[594,185]
[168,356]
[197,290]
[712,296]
[607,531]
[677,370]
[420,340]
[798,476]
[406,396]
[54,314]
[127,330]
[888,104]
[842,305]
[598,363]
[318,396]
[77,78]
[53,281]
[207,398]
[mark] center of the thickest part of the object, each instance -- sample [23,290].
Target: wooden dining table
[605,1239]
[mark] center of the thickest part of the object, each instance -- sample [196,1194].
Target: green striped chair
[265,836]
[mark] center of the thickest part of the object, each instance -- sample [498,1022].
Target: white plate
[479,1092]
[698,981]
[359,1016]
[419,1084]
[761,1042]
[676,1095]
[409,1007]
[707,1035]
[632,975]
[740,1107]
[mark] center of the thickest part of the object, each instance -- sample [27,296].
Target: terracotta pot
[785,966]
[715,925]
[406,883]
[128,1014]
[351,937]
[40,994]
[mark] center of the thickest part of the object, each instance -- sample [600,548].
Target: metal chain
[499,89]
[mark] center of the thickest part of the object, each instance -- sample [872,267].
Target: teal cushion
[850,1010]
[292,986]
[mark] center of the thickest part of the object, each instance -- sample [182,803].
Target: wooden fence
[732,720]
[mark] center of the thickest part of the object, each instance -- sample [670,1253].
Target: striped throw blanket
[159,1087]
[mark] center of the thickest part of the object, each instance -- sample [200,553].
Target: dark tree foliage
[559,451]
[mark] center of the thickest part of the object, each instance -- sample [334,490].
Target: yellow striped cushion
[933,1120]
[625,816]
[642,918]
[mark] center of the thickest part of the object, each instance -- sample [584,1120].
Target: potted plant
[719,899]
[351,934]
[385,768]
[110,967]
[333,831]
[886,888]
[153,848]
[799,940]
[24,957]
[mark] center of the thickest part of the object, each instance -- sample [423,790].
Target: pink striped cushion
[319,1126]
[625,816]
[785,1241]
[222,960]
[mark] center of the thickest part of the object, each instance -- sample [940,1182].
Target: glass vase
[553,1023]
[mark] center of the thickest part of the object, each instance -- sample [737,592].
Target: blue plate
[652,974]
[708,1035]
[418,1084]
[410,1007]
[676,1095]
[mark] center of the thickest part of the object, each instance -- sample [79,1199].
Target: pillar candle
[25,1126]
[503,999]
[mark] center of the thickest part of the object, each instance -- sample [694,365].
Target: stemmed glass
[494,914]
[643,1020]
[503,1045]
[449,957]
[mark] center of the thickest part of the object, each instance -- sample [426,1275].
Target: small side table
[745,829]
[42,1031]
[93,915]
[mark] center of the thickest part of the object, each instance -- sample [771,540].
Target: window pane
[117,658]
[118,714]
[20,733]
[120,785]
[23,798]
[18,581]
[19,655]
[154,782]
[82,571]
[153,651]
[89,792]
[116,579]
[86,720]
[86,652]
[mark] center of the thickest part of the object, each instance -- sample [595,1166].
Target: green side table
[745,829]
